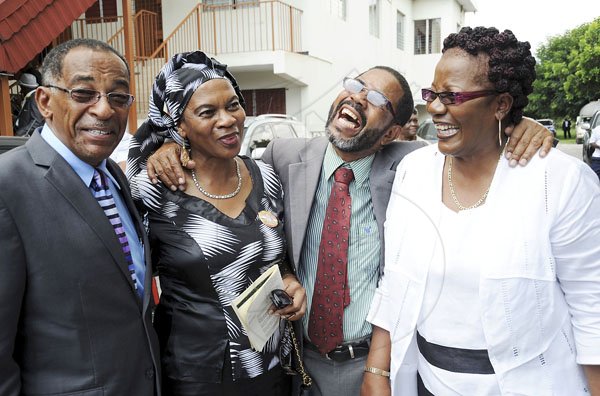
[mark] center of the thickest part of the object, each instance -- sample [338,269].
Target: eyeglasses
[376,98]
[90,96]
[455,98]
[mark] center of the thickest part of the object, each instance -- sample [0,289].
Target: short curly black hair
[511,67]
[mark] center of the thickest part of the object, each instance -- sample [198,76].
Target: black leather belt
[344,352]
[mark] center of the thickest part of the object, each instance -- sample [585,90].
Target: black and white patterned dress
[205,259]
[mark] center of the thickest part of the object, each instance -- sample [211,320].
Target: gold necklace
[453,193]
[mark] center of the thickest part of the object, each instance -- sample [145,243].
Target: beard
[364,140]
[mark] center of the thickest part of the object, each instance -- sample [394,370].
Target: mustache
[98,124]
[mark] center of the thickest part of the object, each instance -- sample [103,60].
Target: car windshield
[427,131]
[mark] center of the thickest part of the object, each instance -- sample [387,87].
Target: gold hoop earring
[499,132]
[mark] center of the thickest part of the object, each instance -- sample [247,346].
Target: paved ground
[571,149]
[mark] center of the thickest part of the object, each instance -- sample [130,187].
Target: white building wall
[336,48]
[173,12]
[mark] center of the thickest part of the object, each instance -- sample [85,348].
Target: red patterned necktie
[332,294]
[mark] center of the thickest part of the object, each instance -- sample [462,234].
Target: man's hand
[525,139]
[165,165]
[295,290]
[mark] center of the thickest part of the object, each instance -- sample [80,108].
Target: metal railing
[246,27]
[110,30]
[269,25]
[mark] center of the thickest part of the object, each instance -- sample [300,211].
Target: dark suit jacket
[70,319]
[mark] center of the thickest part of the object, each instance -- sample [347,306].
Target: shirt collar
[84,170]
[361,167]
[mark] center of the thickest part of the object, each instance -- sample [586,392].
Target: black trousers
[273,383]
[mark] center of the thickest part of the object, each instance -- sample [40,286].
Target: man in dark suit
[75,289]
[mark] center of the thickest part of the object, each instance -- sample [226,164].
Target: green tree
[568,73]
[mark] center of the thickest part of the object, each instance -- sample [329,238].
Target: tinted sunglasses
[90,96]
[454,98]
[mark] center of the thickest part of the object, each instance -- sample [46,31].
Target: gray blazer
[71,321]
[298,163]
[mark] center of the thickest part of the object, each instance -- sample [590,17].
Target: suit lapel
[381,178]
[304,179]
[64,179]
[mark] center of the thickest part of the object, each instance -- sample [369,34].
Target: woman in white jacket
[473,302]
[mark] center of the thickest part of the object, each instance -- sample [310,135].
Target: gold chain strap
[306,379]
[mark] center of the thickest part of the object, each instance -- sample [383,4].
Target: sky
[533,20]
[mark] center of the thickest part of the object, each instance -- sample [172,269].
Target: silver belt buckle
[351,351]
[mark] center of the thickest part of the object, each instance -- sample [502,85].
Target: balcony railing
[110,30]
[247,27]
[250,27]
[269,25]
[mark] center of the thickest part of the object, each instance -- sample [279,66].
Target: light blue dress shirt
[86,172]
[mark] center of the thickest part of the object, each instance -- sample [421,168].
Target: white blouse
[537,239]
[451,312]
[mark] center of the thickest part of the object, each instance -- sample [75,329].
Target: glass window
[338,8]
[261,137]
[283,131]
[435,36]
[399,30]
[104,9]
[420,37]
[428,36]
[374,17]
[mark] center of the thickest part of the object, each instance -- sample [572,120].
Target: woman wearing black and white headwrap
[210,242]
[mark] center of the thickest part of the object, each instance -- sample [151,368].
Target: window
[106,9]
[374,17]
[338,8]
[264,101]
[428,36]
[399,30]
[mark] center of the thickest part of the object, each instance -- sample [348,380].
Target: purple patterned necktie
[332,294]
[104,197]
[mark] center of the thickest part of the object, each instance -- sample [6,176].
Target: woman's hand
[295,290]
[525,139]
[164,164]
[379,357]
[374,385]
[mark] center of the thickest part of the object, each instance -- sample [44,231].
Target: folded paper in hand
[253,305]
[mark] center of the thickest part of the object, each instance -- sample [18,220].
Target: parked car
[585,116]
[587,150]
[427,131]
[10,142]
[260,130]
[548,123]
